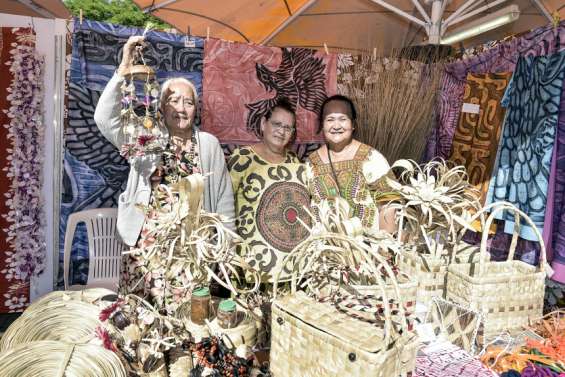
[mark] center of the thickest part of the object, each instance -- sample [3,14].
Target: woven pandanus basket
[509,294]
[332,336]
[314,339]
[430,271]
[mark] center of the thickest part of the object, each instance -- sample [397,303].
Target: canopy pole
[400,12]
[434,32]
[542,9]
[281,27]
[474,13]
[158,6]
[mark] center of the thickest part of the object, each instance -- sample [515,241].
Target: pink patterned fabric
[447,360]
[243,81]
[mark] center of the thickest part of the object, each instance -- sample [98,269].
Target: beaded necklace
[178,165]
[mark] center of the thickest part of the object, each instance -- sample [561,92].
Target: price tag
[189,42]
[425,332]
[470,108]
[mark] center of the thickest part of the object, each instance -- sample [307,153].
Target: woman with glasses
[270,191]
[336,168]
[188,151]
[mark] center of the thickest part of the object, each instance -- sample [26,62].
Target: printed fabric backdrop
[94,172]
[243,81]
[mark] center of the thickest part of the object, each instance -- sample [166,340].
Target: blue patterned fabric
[94,172]
[521,175]
[97,51]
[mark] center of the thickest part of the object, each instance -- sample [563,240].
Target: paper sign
[189,42]
[426,332]
[470,108]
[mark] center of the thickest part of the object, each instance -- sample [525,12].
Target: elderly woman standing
[195,151]
[336,168]
[269,183]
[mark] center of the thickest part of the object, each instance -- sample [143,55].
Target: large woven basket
[313,339]
[429,271]
[509,293]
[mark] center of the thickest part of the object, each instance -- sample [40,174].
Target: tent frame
[434,24]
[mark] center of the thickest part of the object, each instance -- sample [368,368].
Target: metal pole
[421,10]
[400,12]
[158,6]
[474,13]
[281,27]
[434,35]
[543,9]
[459,11]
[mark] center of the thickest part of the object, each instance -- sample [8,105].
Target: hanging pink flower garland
[26,131]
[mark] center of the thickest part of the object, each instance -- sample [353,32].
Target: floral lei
[26,216]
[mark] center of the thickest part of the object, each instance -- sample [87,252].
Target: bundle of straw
[185,245]
[395,99]
[70,321]
[435,203]
[53,358]
[339,253]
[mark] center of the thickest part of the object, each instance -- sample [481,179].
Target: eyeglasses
[175,101]
[282,127]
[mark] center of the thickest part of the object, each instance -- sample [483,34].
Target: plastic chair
[104,248]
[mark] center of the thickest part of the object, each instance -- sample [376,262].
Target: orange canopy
[342,24]
[42,9]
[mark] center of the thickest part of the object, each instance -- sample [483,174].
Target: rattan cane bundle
[48,358]
[70,321]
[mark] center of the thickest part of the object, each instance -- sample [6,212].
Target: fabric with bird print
[244,81]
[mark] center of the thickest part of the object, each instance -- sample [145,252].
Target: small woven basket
[509,294]
[430,271]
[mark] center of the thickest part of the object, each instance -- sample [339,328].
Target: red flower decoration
[145,139]
[103,335]
[107,312]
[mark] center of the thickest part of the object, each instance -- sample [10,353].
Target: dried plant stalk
[395,99]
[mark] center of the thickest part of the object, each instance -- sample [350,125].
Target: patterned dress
[269,204]
[135,276]
[350,183]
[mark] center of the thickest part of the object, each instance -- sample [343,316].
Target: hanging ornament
[142,127]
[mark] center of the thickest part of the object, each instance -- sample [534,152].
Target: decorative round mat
[278,212]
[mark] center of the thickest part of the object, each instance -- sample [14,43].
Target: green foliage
[122,12]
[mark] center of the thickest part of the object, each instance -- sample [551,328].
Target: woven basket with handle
[430,271]
[313,338]
[508,293]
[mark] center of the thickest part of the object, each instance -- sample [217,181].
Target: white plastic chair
[104,248]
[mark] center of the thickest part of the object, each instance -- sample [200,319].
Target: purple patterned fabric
[558,244]
[501,58]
